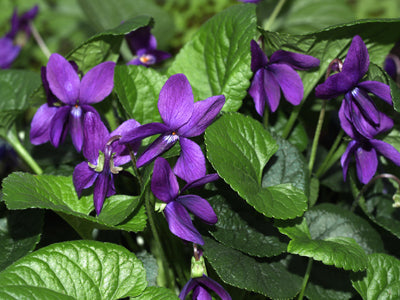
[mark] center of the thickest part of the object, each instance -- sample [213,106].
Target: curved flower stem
[333,152]
[316,136]
[292,119]
[39,40]
[12,138]
[274,14]
[305,279]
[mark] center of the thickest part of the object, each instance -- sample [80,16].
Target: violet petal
[258,58]
[141,39]
[95,135]
[215,286]
[377,88]
[199,207]
[83,177]
[344,113]
[135,134]
[297,61]
[122,151]
[366,163]
[76,126]
[289,81]
[59,126]
[200,293]
[204,113]
[98,83]
[190,285]
[386,150]
[164,184]
[180,223]
[176,101]
[100,191]
[191,164]
[40,125]
[8,52]
[366,105]
[200,181]
[334,86]
[345,159]
[265,89]
[64,82]
[357,60]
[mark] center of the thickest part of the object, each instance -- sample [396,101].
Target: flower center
[147,59]
[76,111]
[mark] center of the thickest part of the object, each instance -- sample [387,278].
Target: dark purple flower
[21,23]
[366,150]
[8,52]
[200,287]
[144,46]
[361,108]
[104,155]
[392,66]
[276,74]
[165,187]
[75,95]
[182,119]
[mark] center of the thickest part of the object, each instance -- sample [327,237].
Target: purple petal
[334,86]
[201,293]
[258,58]
[51,98]
[199,207]
[366,105]
[180,223]
[204,113]
[59,125]
[141,39]
[201,181]
[122,151]
[377,88]
[8,52]
[289,81]
[344,112]
[359,122]
[366,163]
[295,60]
[190,285]
[76,127]
[102,188]
[392,65]
[386,150]
[345,159]
[40,126]
[95,136]
[159,55]
[357,60]
[63,80]
[83,177]
[215,286]
[176,101]
[136,62]
[164,184]
[265,89]
[159,146]
[132,135]
[97,83]
[191,164]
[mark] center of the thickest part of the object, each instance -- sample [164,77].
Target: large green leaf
[18,292]
[157,293]
[239,147]
[382,280]
[19,233]
[269,278]
[81,269]
[138,89]
[105,45]
[217,59]
[24,190]
[328,44]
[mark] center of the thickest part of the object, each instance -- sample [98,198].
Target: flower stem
[316,136]
[292,119]
[305,279]
[274,14]
[335,151]
[39,40]
[13,140]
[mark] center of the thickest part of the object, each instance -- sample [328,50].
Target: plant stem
[316,136]
[332,152]
[39,41]
[292,119]
[274,14]
[305,279]
[12,138]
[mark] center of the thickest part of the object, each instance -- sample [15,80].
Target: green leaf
[217,59]
[243,229]
[19,233]
[23,190]
[21,292]
[157,293]
[15,88]
[138,89]
[239,147]
[382,280]
[333,42]
[81,269]
[105,45]
[269,278]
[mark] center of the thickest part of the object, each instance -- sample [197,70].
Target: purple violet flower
[200,285]
[12,42]
[392,66]
[365,150]
[276,74]
[75,96]
[361,108]
[165,187]
[104,155]
[182,119]
[144,46]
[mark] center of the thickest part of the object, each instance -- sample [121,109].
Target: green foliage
[156,293]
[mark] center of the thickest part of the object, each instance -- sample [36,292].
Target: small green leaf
[81,269]
[239,147]
[23,190]
[382,279]
[157,293]
[19,233]
[138,89]
[217,59]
